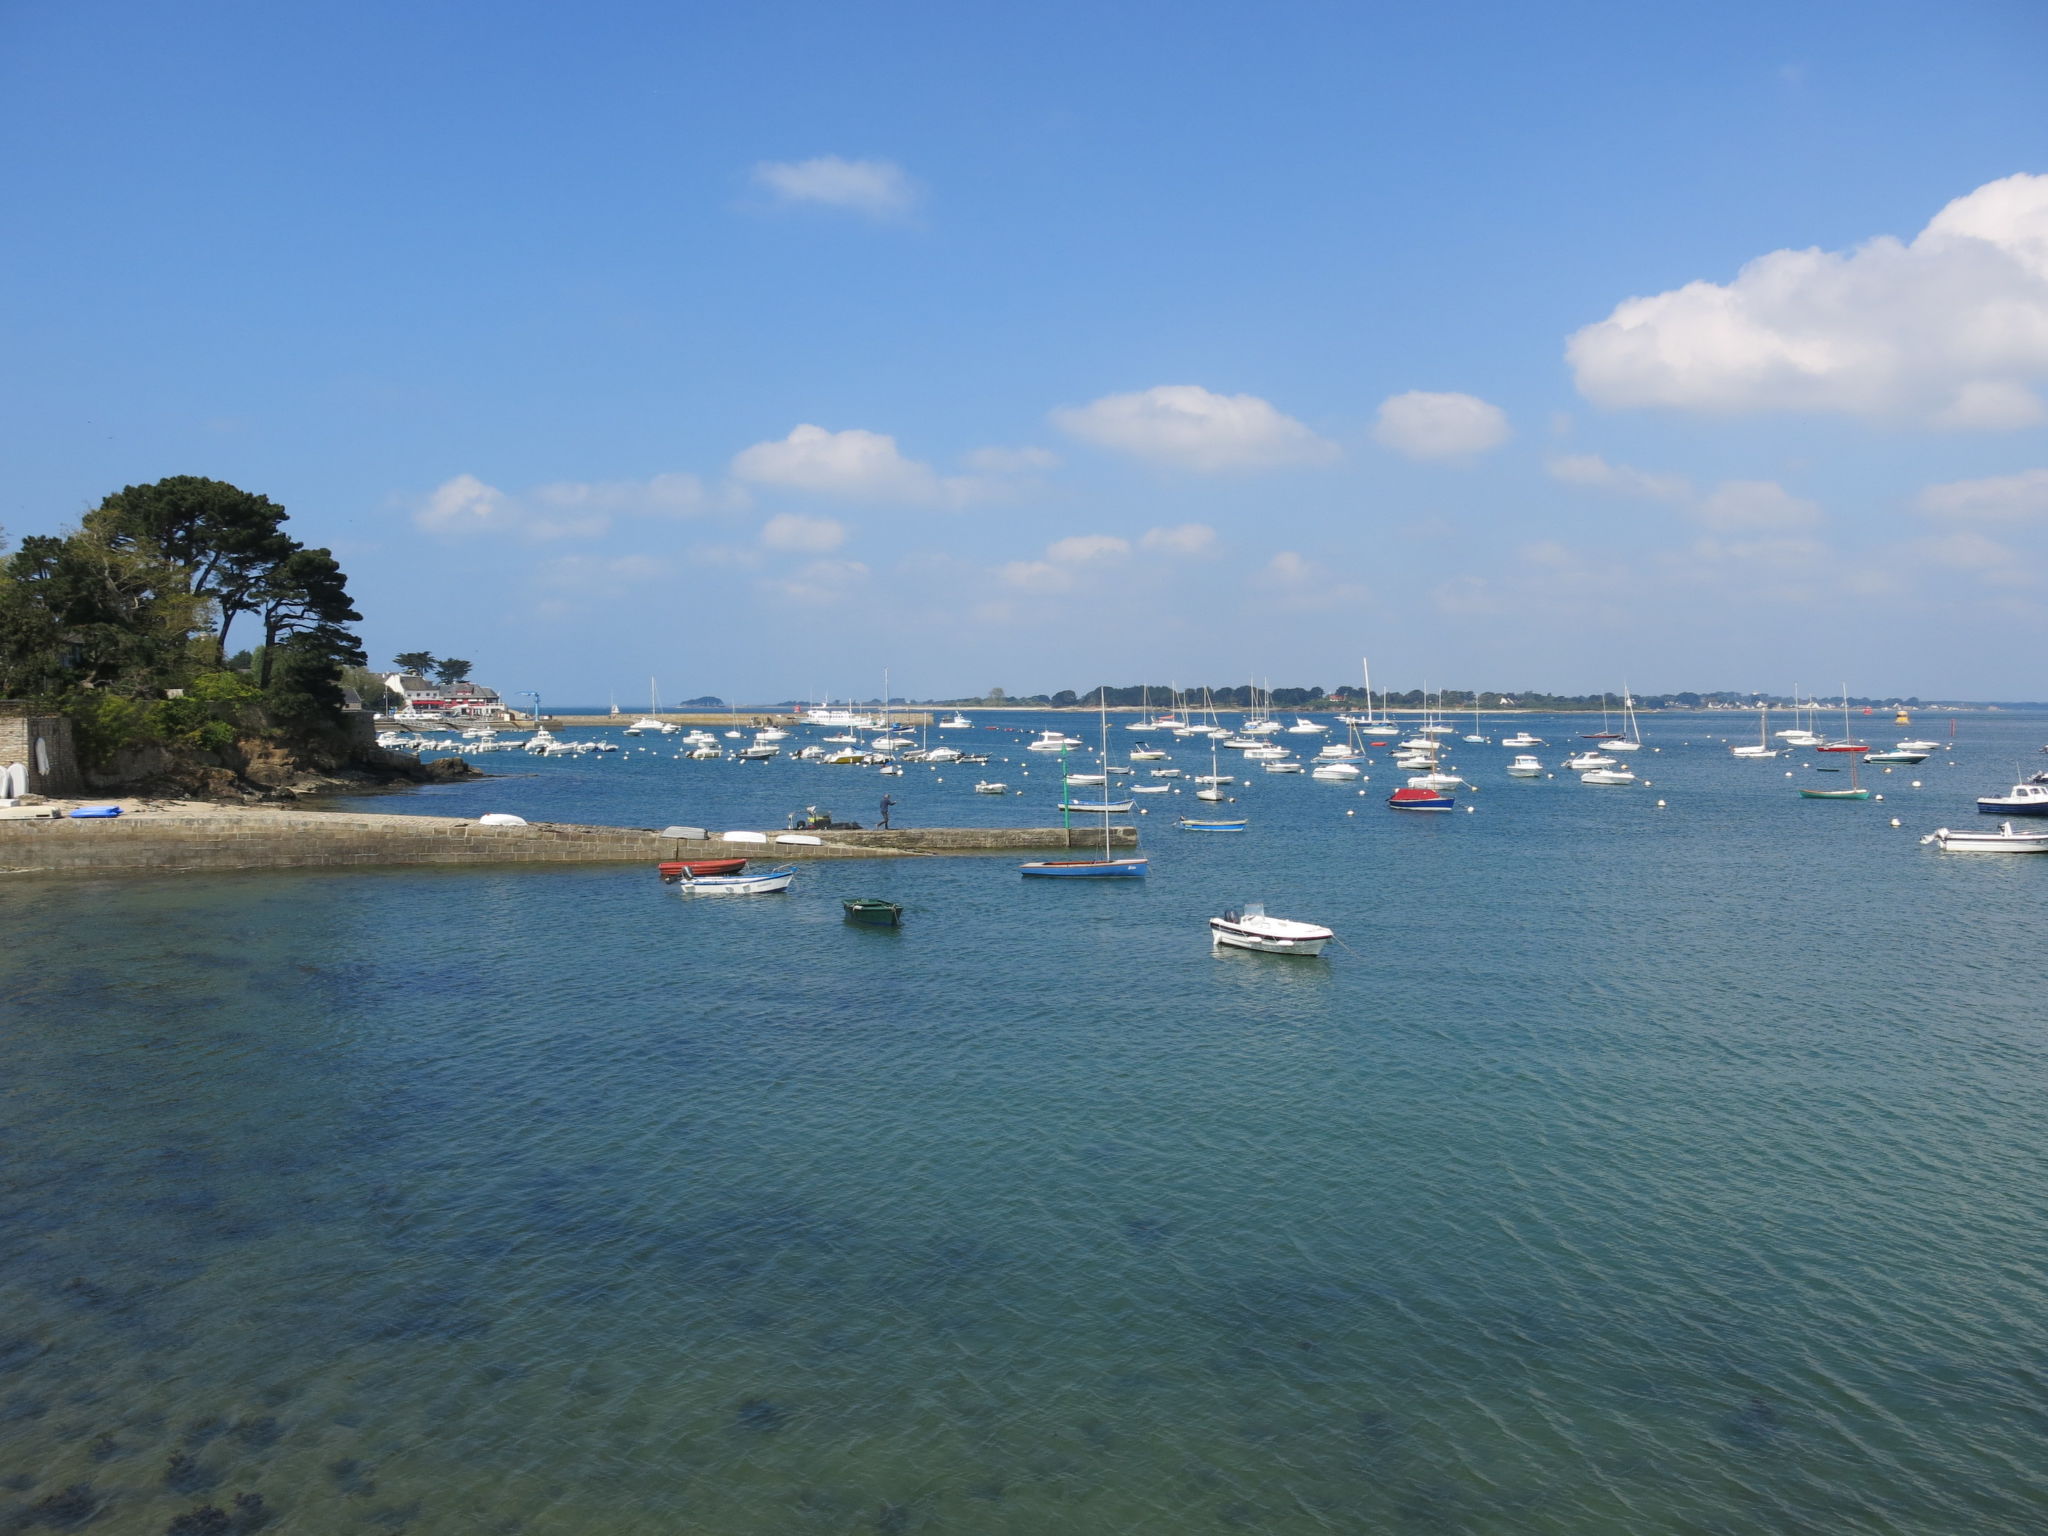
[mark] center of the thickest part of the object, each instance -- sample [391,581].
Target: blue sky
[757,348]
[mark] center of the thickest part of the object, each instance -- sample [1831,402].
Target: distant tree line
[124,622]
[1238,696]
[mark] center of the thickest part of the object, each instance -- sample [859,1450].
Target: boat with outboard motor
[1248,927]
[2007,839]
[765,883]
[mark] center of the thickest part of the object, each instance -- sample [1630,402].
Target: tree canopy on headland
[124,622]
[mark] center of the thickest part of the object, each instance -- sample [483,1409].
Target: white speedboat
[1335,771]
[1241,742]
[1052,741]
[956,722]
[1147,755]
[771,733]
[1248,927]
[1267,754]
[1435,780]
[738,885]
[1335,752]
[1607,776]
[1522,739]
[1917,746]
[944,755]
[2007,839]
[1303,726]
[890,743]
[760,752]
[1260,727]
[1525,767]
[1587,762]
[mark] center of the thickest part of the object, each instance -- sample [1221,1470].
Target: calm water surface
[1630,1170]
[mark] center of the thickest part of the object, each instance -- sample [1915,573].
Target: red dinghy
[675,869]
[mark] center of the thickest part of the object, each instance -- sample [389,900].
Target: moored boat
[676,869]
[1083,867]
[1220,824]
[1249,927]
[766,883]
[2007,839]
[872,911]
[1411,798]
[2028,799]
[1525,767]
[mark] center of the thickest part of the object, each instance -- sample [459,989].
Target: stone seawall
[265,839]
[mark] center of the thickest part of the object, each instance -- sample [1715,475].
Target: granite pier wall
[169,844]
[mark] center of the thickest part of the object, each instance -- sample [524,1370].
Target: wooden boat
[764,884]
[1250,928]
[1072,867]
[1415,799]
[676,869]
[872,911]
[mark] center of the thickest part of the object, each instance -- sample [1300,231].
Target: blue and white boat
[2028,799]
[1234,824]
[1071,868]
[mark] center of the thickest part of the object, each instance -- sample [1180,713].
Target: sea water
[1629,1168]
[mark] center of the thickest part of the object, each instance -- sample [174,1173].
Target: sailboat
[1855,791]
[1213,781]
[1763,746]
[1107,865]
[1630,740]
[1375,724]
[648,723]
[1847,743]
[1606,731]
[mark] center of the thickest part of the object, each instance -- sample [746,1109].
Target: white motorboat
[1248,927]
[1525,767]
[1147,755]
[1335,771]
[956,722]
[1260,727]
[1151,789]
[758,753]
[771,733]
[1267,754]
[647,725]
[1241,742]
[1168,773]
[1522,739]
[1052,741]
[1917,746]
[1434,780]
[1303,726]
[1588,762]
[2007,839]
[987,787]
[944,755]
[1607,776]
[705,750]
[886,742]
[2028,799]
[1335,752]
[1283,767]
[1418,744]
[762,884]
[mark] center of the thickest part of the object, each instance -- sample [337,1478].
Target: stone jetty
[186,838]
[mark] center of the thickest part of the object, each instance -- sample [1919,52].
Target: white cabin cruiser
[1522,739]
[1525,767]
[1335,771]
[2028,799]
[956,722]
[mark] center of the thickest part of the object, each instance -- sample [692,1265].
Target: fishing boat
[1525,767]
[1847,741]
[764,884]
[1413,798]
[1248,927]
[676,869]
[872,911]
[1219,824]
[2007,839]
[2028,799]
[956,722]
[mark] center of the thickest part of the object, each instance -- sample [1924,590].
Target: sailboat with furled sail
[1108,865]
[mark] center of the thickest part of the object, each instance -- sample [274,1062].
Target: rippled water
[1630,1170]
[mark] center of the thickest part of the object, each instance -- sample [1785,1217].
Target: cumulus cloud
[1010,461]
[855,464]
[804,535]
[1423,425]
[1999,499]
[878,188]
[465,506]
[1189,427]
[1589,469]
[1968,550]
[1757,505]
[1064,563]
[1188,539]
[1950,328]
[821,582]
[1293,582]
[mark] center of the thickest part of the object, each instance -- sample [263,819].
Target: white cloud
[1950,329]
[1190,427]
[1064,562]
[2001,498]
[806,535]
[878,188]
[1295,583]
[1423,425]
[1757,505]
[1590,469]
[1010,461]
[1993,563]
[466,506]
[1189,539]
[821,582]
[855,464]
[1087,549]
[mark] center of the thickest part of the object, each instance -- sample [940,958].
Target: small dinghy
[1151,789]
[764,884]
[1249,928]
[1234,824]
[1082,867]
[676,869]
[2007,839]
[873,911]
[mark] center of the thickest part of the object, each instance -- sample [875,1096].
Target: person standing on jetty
[887,801]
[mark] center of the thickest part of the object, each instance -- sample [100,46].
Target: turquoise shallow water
[1630,1171]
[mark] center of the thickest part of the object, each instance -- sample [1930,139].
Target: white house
[426,700]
